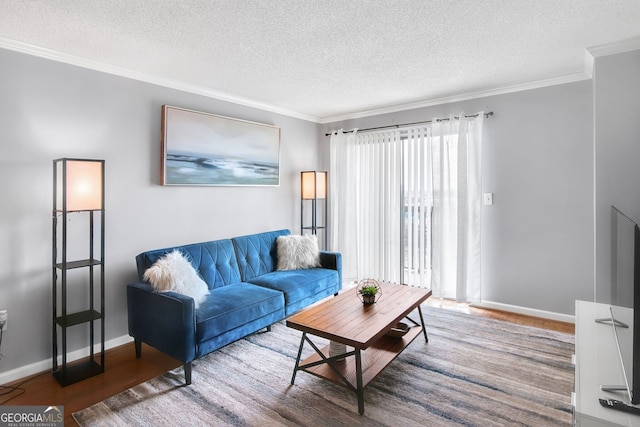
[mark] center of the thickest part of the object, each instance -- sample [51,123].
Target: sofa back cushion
[214,261]
[257,253]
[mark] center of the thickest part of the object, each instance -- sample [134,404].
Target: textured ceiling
[327,59]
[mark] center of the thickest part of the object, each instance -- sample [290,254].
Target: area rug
[474,371]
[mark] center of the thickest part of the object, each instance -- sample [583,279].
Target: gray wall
[617,148]
[537,238]
[50,110]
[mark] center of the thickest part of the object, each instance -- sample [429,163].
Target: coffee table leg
[360,389]
[295,368]
[424,328]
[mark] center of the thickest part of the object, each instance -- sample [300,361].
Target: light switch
[488,198]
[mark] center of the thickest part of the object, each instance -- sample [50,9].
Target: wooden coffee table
[344,319]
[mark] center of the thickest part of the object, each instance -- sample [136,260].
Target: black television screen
[622,259]
[625,292]
[635,382]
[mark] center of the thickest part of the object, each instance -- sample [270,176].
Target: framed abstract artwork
[206,149]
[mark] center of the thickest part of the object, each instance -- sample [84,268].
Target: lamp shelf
[78,318]
[61,211]
[78,188]
[78,371]
[78,264]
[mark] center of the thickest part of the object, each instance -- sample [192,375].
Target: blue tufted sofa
[247,294]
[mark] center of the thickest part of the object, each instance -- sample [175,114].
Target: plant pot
[368,299]
[368,291]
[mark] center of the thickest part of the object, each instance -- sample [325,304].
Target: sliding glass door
[407,205]
[417,207]
[394,205]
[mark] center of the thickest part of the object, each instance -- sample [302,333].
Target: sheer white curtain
[456,152]
[343,230]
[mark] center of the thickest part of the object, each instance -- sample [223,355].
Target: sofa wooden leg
[138,346]
[269,328]
[187,373]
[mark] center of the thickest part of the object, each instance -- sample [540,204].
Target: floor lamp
[78,188]
[313,185]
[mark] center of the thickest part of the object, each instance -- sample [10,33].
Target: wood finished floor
[123,370]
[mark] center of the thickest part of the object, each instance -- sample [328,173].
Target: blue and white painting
[206,149]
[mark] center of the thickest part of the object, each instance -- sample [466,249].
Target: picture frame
[205,149]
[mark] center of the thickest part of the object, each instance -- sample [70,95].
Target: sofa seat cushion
[232,306]
[298,285]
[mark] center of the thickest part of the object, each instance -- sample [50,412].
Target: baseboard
[45,365]
[526,311]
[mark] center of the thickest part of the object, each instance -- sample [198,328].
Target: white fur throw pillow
[297,252]
[173,272]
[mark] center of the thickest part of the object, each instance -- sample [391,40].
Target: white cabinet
[597,363]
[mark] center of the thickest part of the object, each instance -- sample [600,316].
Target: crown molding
[613,48]
[589,58]
[54,55]
[590,54]
[570,78]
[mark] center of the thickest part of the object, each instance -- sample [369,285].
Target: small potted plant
[368,291]
[369,294]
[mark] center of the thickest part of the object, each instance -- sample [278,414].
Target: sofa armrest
[166,320]
[333,261]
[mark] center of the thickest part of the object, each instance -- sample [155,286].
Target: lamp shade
[83,185]
[313,185]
